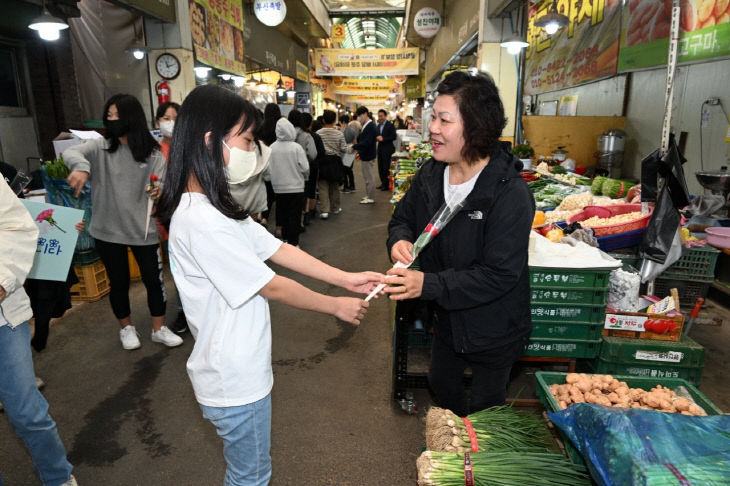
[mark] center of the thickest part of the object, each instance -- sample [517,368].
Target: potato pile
[607,390]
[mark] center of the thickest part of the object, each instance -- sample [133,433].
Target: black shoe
[180,326]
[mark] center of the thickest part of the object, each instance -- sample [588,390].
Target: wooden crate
[134,273]
[93,283]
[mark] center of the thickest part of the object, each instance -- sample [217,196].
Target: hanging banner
[354,86]
[366,62]
[704,32]
[584,50]
[302,72]
[367,100]
[339,32]
[217,31]
[415,87]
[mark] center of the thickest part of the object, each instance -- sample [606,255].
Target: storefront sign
[160,9]
[415,87]
[269,12]
[302,72]
[367,100]
[354,86]
[217,30]
[427,22]
[302,102]
[704,32]
[584,50]
[339,32]
[366,62]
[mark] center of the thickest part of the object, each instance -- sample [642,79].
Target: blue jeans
[26,408]
[246,434]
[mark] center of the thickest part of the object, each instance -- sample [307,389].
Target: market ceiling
[363,4]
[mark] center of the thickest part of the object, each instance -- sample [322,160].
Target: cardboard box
[64,140]
[631,324]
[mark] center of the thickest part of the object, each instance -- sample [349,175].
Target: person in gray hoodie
[289,169]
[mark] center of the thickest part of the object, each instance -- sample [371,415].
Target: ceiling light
[514,45]
[47,25]
[392,95]
[290,93]
[225,76]
[387,102]
[252,83]
[280,89]
[344,7]
[239,81]
[201,71]
[552,21]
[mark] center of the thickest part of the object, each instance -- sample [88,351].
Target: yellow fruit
[539,218]
[554,235]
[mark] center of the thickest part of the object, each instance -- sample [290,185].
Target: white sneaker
[324,215]
[367,200]
[129,337]
[337,211]
[71,481]
[166,337]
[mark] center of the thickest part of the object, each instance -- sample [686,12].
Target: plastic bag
[623,290]
[661,230]
[61,194]
[647,448]
[651,269]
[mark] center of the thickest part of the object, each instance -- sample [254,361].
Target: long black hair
[206,109]
[267,132]
[131,116]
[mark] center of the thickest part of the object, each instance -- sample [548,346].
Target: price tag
[626,323]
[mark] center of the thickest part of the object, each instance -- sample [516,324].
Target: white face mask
[166,128]
[241,164]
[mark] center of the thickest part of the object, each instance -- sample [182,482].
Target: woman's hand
[80,226]
[155,192]
[401,252]
[77,179]
[350,310]
[363,282]
[403,284]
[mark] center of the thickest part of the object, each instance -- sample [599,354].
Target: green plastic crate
[693,374]
[547,378]
[695,264]
[567,330]
[563,348]
[568,312]
[568,278]
[578,295]
[685,352]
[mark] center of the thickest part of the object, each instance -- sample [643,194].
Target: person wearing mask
[119,167]
[331,167]
[226,280]
[267,134]
[289,170]
[385,138]
[24,405]
[410,124]
[165,118]
[365,147]
[474,274]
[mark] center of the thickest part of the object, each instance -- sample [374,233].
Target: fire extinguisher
[163,91]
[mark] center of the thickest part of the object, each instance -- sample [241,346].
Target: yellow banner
[366,62]
[302,72]
[354,86]
[338,32]
[366,100]
[217,30]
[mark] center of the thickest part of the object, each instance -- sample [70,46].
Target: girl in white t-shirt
[217,257]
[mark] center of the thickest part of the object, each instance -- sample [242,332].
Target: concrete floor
[130,418]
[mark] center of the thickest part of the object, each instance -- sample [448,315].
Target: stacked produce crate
[691,275]
[682,359]
[93,283]
[568,310]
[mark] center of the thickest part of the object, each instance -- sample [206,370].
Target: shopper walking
[26,408]
[267,134]
[366,148]
[226,281]
[165,117]
[350,132]
[385,138]
[289,169]
[331,167]
[310,188]
[474,273]
[119,167]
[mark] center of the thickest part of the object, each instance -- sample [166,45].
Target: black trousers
[490,375]
[114,257]
[288,216]
[349,177]
[384,166]
[269,200]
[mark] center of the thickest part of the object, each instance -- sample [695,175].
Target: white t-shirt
[454,193]
[218,267]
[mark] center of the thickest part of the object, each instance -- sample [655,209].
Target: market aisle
[130,418]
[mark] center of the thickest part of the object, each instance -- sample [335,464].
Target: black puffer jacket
[476,272]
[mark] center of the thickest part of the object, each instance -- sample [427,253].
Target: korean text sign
[217,30]
[366,62]
[56,239]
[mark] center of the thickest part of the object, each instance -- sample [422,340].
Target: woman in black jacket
[474,273]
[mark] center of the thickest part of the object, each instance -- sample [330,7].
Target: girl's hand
[363,282]
[154,193]
[77,179]
[80,226]
[401,252]
[403,284]
[350,310]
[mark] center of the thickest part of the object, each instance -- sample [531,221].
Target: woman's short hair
[131,115]
[329,117]
[207,109]
[162,109]
[295,118]
[481,111]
